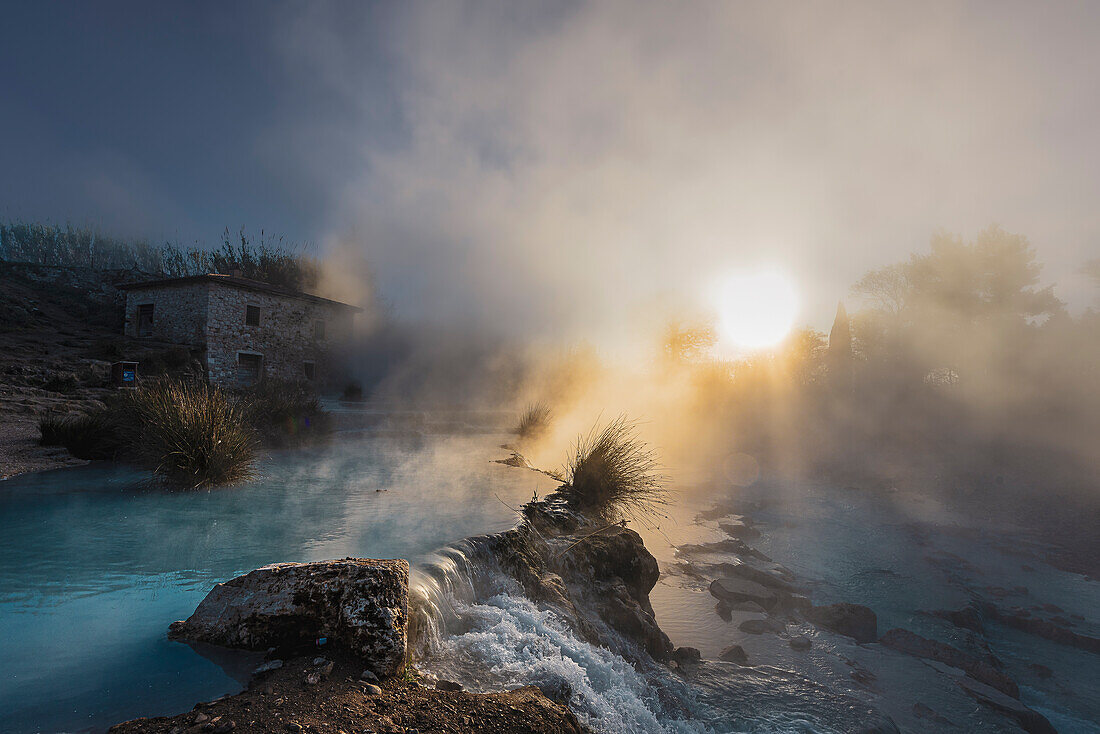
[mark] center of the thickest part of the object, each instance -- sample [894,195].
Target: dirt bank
[285,701]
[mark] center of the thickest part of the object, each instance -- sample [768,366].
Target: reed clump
[187,432]
[534,421]
[613,473]
[190,433]
[86,435]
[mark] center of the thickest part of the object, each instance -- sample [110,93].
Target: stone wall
[286,336]
[179,312]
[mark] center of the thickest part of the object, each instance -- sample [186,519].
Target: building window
[318,330]
[249,368]
[252,315]
[310,369]
[145,319]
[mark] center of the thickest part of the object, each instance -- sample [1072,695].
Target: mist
[561,168]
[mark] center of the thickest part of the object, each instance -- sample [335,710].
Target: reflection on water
[94,564]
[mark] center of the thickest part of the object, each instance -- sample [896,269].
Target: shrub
[284,412]
[87,436]
[190,433]
[612,474]
[65,383]
[52,430]
[534,420]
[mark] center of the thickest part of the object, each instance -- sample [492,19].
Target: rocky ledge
[327,695]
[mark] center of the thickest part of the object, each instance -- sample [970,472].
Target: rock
[202,718]
[615,572]
[762,572]
[852,620]
[267,667]
[1024,622]
[556,688]
[738,529]
[1041,670]
[969,617]
[323,668]
[734,654]
[922,711]
[1031,721]
[760,626]
[368,676]
[372,689]
[687,655]
[795,602]
[980,670]
[734,590]
[745,606]
[313,679]
[361,604]
[448,685]
[293,727]
[800,642]
[224,726]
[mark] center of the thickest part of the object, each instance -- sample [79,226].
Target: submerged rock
[969,617]
[980,670]
[1031,721]
[739,529]
[1049,629]
[736,590]
[853,620]
[760,626]
[761,572]
[800,642]
[361,604]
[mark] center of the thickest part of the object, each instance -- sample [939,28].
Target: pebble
[313,679]
[268,667]
[368,676]
[372,689]
[201,718]
[448,685]
[293,727]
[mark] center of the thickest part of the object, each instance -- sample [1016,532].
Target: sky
[564,168]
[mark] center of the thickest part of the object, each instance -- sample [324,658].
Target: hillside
[60,330]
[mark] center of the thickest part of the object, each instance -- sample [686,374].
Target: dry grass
[86,436]
[612,473]
[534,421]
[189,433]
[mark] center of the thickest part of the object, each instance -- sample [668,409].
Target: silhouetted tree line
[266,258]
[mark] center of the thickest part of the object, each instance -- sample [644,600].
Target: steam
[561,168]
[569,180]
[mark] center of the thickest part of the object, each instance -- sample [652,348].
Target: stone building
[244,329]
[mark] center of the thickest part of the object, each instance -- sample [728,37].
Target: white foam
[513,642]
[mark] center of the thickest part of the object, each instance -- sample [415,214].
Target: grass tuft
[189,433]
[86,436]
[534,421]
[612,473]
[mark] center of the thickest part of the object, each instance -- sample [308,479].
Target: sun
[756,308]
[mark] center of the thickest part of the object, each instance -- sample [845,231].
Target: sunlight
[756,308]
